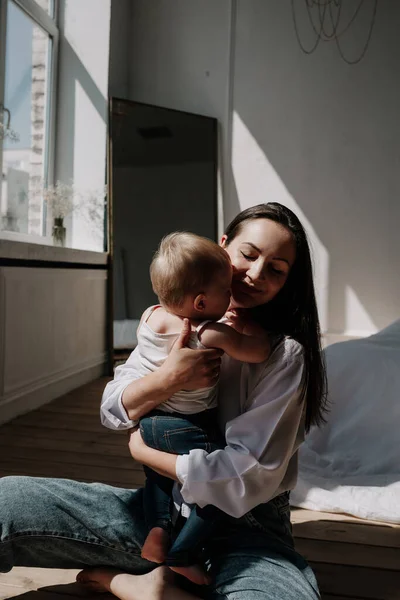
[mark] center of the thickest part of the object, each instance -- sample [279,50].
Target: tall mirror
[163,178]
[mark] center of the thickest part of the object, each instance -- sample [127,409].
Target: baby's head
[192,276]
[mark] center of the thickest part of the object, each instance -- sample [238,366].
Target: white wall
[53,334]
[323,137]
[82,112]
[311,132]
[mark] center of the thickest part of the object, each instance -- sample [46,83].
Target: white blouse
[263,421]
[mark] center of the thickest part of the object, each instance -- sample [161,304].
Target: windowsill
[38,252]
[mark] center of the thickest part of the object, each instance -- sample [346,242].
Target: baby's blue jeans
[178,434]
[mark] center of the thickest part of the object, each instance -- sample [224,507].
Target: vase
[59,232]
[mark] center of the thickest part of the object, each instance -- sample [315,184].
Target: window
[28,49]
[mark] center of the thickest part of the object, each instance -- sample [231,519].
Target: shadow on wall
[324,138]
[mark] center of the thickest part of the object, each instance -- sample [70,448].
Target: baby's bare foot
[156,545]
[194,573]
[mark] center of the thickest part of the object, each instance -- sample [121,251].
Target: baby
[191,276]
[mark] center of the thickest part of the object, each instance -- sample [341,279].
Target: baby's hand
[242,322]
[235,319]
[253,328]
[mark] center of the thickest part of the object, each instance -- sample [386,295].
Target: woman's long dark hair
[293,311]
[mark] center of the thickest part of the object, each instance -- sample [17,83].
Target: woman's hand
[137,447]
[183,369]
[191,369]
[161,462]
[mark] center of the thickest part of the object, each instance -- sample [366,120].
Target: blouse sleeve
[260,442]
[112,411]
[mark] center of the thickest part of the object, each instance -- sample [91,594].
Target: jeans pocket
[273,517]
[282,503]
[283,507]
[172,434]
[183,439]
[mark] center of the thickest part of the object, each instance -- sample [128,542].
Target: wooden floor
[352,559]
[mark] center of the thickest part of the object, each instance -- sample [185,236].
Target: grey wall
[311,132]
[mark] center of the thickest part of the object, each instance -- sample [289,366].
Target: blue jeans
[60,523]
[179,433]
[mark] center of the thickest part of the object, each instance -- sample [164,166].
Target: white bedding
[352,464]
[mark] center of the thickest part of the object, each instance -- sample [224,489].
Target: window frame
[50,26]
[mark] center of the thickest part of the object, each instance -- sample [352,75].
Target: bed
[352,464]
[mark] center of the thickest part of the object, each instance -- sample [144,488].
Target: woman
[265,410]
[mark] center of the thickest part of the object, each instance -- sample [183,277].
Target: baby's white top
[153,348]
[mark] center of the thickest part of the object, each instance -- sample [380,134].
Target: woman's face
[262,255]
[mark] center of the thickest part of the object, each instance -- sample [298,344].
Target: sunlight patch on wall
[257,182]
[355,313]
[89,139]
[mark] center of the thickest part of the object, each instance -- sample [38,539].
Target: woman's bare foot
[124,585]
[156,585]
[155,547]
[194,573]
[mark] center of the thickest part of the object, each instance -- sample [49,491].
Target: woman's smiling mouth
[245,288]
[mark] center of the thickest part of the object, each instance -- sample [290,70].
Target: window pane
[28,50]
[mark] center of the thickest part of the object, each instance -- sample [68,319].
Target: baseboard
[45,392]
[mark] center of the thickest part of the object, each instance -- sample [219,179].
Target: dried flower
[60,199]
[63,199]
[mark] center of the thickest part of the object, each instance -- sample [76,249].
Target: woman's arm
[260,445]
[147,393]
[161,462]
[129,395]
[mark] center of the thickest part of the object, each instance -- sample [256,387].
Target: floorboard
[353,559]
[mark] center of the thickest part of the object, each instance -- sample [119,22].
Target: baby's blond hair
[185,263]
